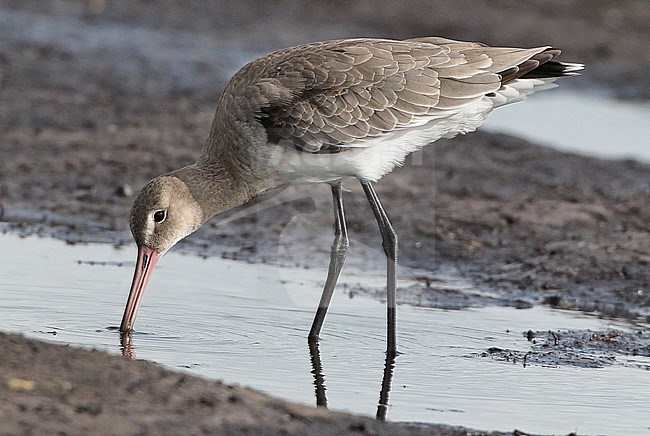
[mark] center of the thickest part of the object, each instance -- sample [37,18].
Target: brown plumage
[323,96]
[324,112]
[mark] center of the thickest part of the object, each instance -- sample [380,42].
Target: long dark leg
[389,242]
[319,377]
[389,367]
[337,257]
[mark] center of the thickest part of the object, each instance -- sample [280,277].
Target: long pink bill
[147,259]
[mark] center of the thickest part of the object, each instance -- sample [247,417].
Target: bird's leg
[337,257]
[389,242]
[319,377]
[389,368]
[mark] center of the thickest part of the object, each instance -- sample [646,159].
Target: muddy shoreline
[99,97]
[53,389]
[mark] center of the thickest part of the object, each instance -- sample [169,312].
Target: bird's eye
[159,216]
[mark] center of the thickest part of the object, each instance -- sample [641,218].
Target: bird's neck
[215,187]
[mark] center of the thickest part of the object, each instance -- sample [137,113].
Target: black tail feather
[541,66]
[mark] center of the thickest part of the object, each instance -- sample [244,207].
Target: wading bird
[324,112]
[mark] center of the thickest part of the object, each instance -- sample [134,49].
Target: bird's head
[163,213]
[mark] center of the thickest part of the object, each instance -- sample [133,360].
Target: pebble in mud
[124,191]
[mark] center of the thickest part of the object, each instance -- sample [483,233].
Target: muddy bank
[53,389]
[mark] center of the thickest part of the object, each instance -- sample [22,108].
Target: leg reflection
[389,369]
[317,371]
[319,379]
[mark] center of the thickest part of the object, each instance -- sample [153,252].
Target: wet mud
[96,98]
[579,348]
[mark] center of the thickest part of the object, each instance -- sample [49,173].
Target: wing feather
[329,96]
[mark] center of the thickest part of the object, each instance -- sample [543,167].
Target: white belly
[372,159]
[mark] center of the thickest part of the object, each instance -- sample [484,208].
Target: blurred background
[123,44]
[85,83]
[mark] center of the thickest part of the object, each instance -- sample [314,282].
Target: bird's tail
[537,73]
[541,66]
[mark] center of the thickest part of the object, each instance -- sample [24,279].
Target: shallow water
[247,324]
[580,123]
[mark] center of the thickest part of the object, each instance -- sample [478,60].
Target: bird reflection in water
[126,345]
[128,350]
[319,380]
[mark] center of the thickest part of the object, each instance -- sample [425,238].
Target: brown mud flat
[87,118]
[54,389]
